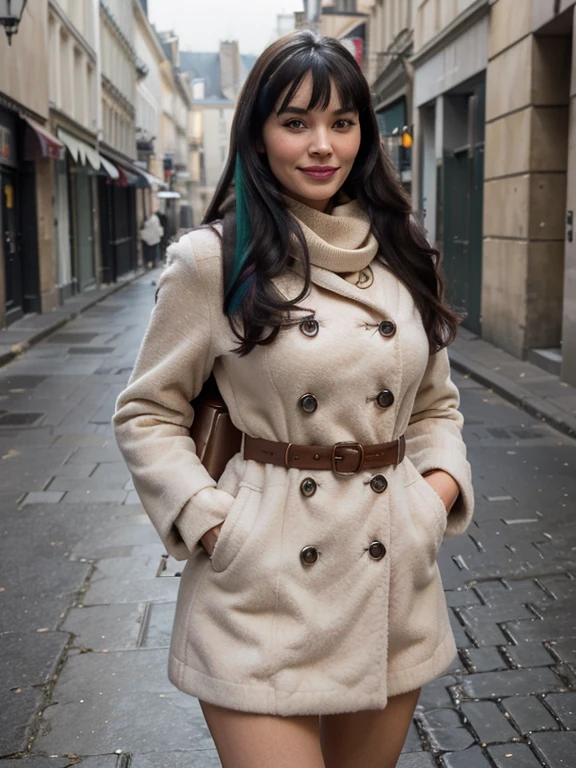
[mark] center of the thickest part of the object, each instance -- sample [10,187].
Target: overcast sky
[202,24]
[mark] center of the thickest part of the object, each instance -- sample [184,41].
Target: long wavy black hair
[259,232]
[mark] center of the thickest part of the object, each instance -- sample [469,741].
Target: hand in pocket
[210,538]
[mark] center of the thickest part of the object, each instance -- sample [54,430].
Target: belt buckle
[360,449]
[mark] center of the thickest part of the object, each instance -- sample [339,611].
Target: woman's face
[312,152]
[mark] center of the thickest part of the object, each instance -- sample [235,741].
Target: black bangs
[288,76]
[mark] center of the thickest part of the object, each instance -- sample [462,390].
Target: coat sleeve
[153,414]
[434,436]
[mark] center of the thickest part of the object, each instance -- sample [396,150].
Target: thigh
[244,740]
[372,738]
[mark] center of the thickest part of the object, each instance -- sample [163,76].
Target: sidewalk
[531,388]
[31,329]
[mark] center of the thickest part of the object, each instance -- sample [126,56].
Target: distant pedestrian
[311,609]
[151,236]
[163,219]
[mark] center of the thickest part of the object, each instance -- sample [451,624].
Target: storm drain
[20,382]
[8,419]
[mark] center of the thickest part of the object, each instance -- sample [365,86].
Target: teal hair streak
[243,235]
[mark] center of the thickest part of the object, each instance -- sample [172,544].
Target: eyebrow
[301,111]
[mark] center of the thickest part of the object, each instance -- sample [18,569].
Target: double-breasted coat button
[377,550]
[387,328]
[308,486]
[309,326]
[309,555]
[378,483]
[385,398]
[308,403]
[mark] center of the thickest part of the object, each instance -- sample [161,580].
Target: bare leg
[244,740]
[372,738]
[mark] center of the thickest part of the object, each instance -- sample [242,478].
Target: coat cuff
[461,513]
[206,509]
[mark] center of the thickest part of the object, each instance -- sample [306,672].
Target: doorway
[461,205]
[85,268]
[10,245]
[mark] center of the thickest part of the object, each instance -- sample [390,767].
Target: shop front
[23,144]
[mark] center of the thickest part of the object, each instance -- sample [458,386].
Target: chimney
[230,69]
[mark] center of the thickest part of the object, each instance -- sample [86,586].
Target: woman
[151,234]
[310,610]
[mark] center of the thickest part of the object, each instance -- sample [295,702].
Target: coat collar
[290,284]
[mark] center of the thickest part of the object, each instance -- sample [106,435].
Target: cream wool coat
[256,629]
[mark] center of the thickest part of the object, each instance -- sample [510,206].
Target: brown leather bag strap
[345,458]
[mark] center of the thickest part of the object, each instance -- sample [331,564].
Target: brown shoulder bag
[216,438]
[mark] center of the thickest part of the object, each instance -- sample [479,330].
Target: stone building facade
[27,253]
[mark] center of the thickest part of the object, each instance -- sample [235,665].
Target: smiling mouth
[319,173]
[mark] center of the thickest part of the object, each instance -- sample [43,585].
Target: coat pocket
[236,526]
[433,500]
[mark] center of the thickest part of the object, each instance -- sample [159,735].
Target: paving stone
[514,682]
[485,659]
[413,760]
[513,756]
[450,739]
[132,531]
[557,748]
[469,758]
[530,714]
[489,723]
[43,497]
[206,758]
[75,470]
[565,649]
[106,627]
[48,762]
[114,482]
[107,454]
[435,694]
[29,658]
[443,717]
[413,741]
[82,440]
[159,625]
[530,655]
[121,700]
[457,598]
[17,713]
[558,628]
[564,707]
[98,497]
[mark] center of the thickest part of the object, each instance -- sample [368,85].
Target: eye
[344,123]
[296,124]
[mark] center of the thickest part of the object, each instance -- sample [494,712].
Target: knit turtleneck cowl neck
[340,241]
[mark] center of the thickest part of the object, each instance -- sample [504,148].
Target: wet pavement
[87,597]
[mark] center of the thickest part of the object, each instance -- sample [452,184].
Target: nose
[320,145]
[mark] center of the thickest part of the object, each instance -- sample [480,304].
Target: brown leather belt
[346,458]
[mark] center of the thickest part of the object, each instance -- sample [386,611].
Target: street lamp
[10,15]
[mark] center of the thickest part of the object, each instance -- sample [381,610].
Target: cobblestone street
[87,597]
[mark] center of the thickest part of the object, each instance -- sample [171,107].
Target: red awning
[40,142]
